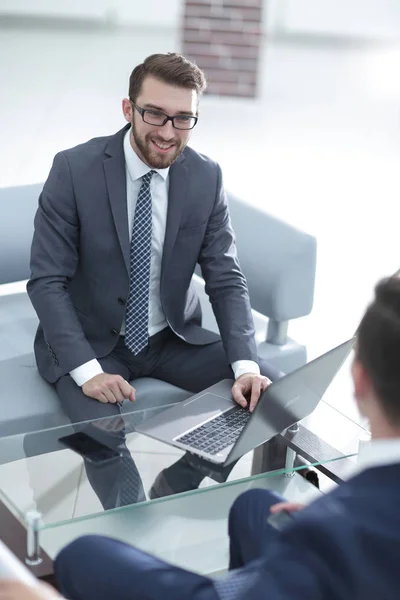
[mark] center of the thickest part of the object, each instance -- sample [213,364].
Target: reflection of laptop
[211,425]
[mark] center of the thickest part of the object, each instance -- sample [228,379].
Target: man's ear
[127,109]
[361,380]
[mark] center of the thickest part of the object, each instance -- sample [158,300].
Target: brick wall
[224,38]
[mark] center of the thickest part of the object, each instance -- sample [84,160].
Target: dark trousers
[100,568]
[169,359]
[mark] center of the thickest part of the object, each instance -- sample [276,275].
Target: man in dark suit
[344,546]
[122,222]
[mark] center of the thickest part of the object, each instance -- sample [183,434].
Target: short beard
[152,159]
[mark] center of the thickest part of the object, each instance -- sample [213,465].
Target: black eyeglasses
[152,116]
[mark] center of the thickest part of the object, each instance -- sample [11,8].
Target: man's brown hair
[378,345]
[170,68]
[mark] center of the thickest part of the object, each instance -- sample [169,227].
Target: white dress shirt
[159,185]
[378,453]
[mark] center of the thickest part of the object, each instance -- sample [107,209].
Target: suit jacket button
[121,300]
[114,332]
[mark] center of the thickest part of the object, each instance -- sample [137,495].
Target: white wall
[357,18]
[95,9]
[164,13]
[363,18]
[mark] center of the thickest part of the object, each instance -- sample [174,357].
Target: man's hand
[250,385]
[288,506]
[109,388]
[15,590]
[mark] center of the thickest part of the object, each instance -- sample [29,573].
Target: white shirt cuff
[240,367]
[86,371]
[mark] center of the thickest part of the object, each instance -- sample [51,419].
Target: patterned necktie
[137,308]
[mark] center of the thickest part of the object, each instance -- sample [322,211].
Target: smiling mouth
[162,147]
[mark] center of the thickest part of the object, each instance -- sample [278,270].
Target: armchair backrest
[278,260]
[17,210]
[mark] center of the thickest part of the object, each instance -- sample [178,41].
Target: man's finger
[109,395]
[265,383]
[127,390]
[115,389]
[255,393]
[237,394]
[289,506]
[101,398]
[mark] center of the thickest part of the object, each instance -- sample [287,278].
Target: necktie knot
[147,177]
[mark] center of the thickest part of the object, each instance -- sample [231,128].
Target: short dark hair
[378,345]
[170,68]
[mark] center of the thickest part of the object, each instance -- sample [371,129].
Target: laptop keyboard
[218,433]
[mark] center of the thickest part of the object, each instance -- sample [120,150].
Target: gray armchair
[279,263]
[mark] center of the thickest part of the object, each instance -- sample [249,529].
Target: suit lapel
[114,169]
[178,186]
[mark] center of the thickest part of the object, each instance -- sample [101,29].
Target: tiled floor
[319,148]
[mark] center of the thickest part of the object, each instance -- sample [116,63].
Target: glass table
[47,492]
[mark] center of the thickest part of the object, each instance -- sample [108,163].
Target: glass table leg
[290,454]
[33,521]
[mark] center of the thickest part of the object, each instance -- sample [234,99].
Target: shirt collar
[378,452]
[136,167]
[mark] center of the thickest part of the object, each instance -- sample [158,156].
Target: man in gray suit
[122,222]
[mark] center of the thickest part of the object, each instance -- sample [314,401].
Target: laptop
[213,426]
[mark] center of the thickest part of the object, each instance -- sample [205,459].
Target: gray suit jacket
[80,257]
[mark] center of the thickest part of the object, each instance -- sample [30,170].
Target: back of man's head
[378,347]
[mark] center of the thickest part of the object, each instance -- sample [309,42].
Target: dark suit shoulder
[196,159]
[85,159]
[94,147]
[91,147]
